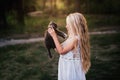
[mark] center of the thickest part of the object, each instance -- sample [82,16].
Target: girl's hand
[51,31]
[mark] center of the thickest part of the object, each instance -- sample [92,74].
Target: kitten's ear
[51,22]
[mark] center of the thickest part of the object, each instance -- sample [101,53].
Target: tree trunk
[3,21]
[77,5]
[20,15]
[20,11]
[44,2]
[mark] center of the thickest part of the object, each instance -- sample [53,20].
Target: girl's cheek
[66,27]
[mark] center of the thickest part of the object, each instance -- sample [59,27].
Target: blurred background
[33,16]
[28,19]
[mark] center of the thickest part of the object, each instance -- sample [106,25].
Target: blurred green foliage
[33,16]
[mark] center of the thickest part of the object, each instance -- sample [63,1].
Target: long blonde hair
[78,24]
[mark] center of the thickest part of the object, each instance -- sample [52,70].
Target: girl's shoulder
[72,39]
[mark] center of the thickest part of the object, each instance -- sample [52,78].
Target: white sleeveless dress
[69,66]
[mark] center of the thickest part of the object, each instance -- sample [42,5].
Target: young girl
[74,59]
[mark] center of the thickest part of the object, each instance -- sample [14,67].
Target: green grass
[95,23]
[105,57]
[38,25]
[31,61]
[26,62]
[103,22]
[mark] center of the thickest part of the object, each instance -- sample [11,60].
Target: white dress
[69,66]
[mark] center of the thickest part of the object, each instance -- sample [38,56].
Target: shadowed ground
[31,61]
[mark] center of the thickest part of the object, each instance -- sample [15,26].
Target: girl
[74,52]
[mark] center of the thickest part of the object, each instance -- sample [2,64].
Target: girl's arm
[62,50]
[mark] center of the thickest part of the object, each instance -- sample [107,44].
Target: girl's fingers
[50,27]
[50,30]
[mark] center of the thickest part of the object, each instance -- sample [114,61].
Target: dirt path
[4,42]
[19,41]
[103,32]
